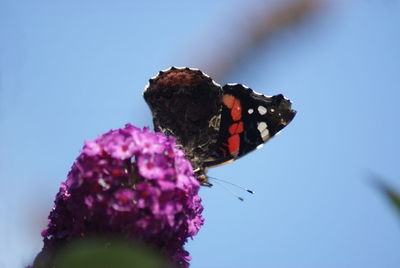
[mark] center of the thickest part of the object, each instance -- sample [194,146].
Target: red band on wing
[234,105]
[228,100]
[236,111]
[234,144]
[236,128]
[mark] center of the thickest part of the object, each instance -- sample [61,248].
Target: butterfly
[214,125]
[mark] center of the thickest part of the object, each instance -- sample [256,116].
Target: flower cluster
[131,183]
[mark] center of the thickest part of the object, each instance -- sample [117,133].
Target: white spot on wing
[261,126]
[166,70]
[265,134]
[259,94]
[146,87]
[216,84]
[154,77]
[262,110]
[250,111]
[173,67]
[260,145]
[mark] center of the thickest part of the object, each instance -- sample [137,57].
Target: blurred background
[71,70]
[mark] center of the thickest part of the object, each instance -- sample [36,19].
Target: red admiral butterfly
[213,124]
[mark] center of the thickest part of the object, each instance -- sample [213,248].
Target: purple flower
[131,183]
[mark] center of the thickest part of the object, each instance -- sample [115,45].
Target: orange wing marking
[234,144]
[236,128]
[234,105]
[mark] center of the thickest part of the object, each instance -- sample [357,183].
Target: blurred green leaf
[99,253]
[393,196]
[389,191]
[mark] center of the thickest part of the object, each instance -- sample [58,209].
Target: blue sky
[71,70]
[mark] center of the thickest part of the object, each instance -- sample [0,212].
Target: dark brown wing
[186,104]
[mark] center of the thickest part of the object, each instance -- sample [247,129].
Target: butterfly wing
[248,120]
[213,125]
[186,104]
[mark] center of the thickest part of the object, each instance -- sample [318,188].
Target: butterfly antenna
[228,182]
[229,190]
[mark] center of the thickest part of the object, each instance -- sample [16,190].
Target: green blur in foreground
[101,253]
[393,196]
[387,190]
